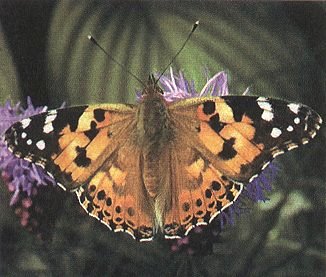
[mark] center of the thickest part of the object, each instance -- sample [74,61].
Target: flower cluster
[23,179]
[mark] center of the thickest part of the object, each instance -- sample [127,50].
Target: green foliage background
[278,49]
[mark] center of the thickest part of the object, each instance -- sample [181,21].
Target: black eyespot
[101,195]
[107,213]
[186,206]
[100,215]
[216,185]
[230,196]
[90,207]
[92,188]
[218,205]
[208,193]
[187,217]
[131,211]
[109,201]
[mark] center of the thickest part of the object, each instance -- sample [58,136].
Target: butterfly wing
[87,149]
[242,134]
[69,143]
[229,140]
[199,191]
[116,196]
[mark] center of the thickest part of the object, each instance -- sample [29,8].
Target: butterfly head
[152,88]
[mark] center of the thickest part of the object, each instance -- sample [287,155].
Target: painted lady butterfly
[159,166]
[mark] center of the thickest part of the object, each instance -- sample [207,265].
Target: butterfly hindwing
[116,197]
[200,191]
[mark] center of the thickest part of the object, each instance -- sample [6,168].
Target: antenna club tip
[195,26]
[89,37]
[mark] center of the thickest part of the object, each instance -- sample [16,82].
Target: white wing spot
[264,105]
[40,144]
[289,128]
[297,120]
[29,142]
[267,115]
[48,128]
[253,177]
[279,152]
[50,117]
[265,165]
[52,112]
[276,132]
[24,135]
[305,141]
[313,134]
[294,107]
[261,99]
[61,186]
[25,122]
[293,147]
[29,159]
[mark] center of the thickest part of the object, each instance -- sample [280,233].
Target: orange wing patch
[203,195]
[114,195]
[83,148]
[228,139]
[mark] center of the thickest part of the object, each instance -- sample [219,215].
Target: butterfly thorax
[153,124]
[154,133]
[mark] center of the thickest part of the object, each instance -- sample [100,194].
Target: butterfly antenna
[93,40]
[194,27]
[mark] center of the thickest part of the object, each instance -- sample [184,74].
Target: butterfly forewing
[241,134]
[69,143]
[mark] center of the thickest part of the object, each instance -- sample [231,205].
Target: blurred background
[276,49]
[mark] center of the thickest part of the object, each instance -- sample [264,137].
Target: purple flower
[176,87]
[34,194]
[22,178]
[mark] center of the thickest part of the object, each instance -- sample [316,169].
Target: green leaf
[9,87]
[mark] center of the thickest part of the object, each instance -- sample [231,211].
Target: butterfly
[160,167]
